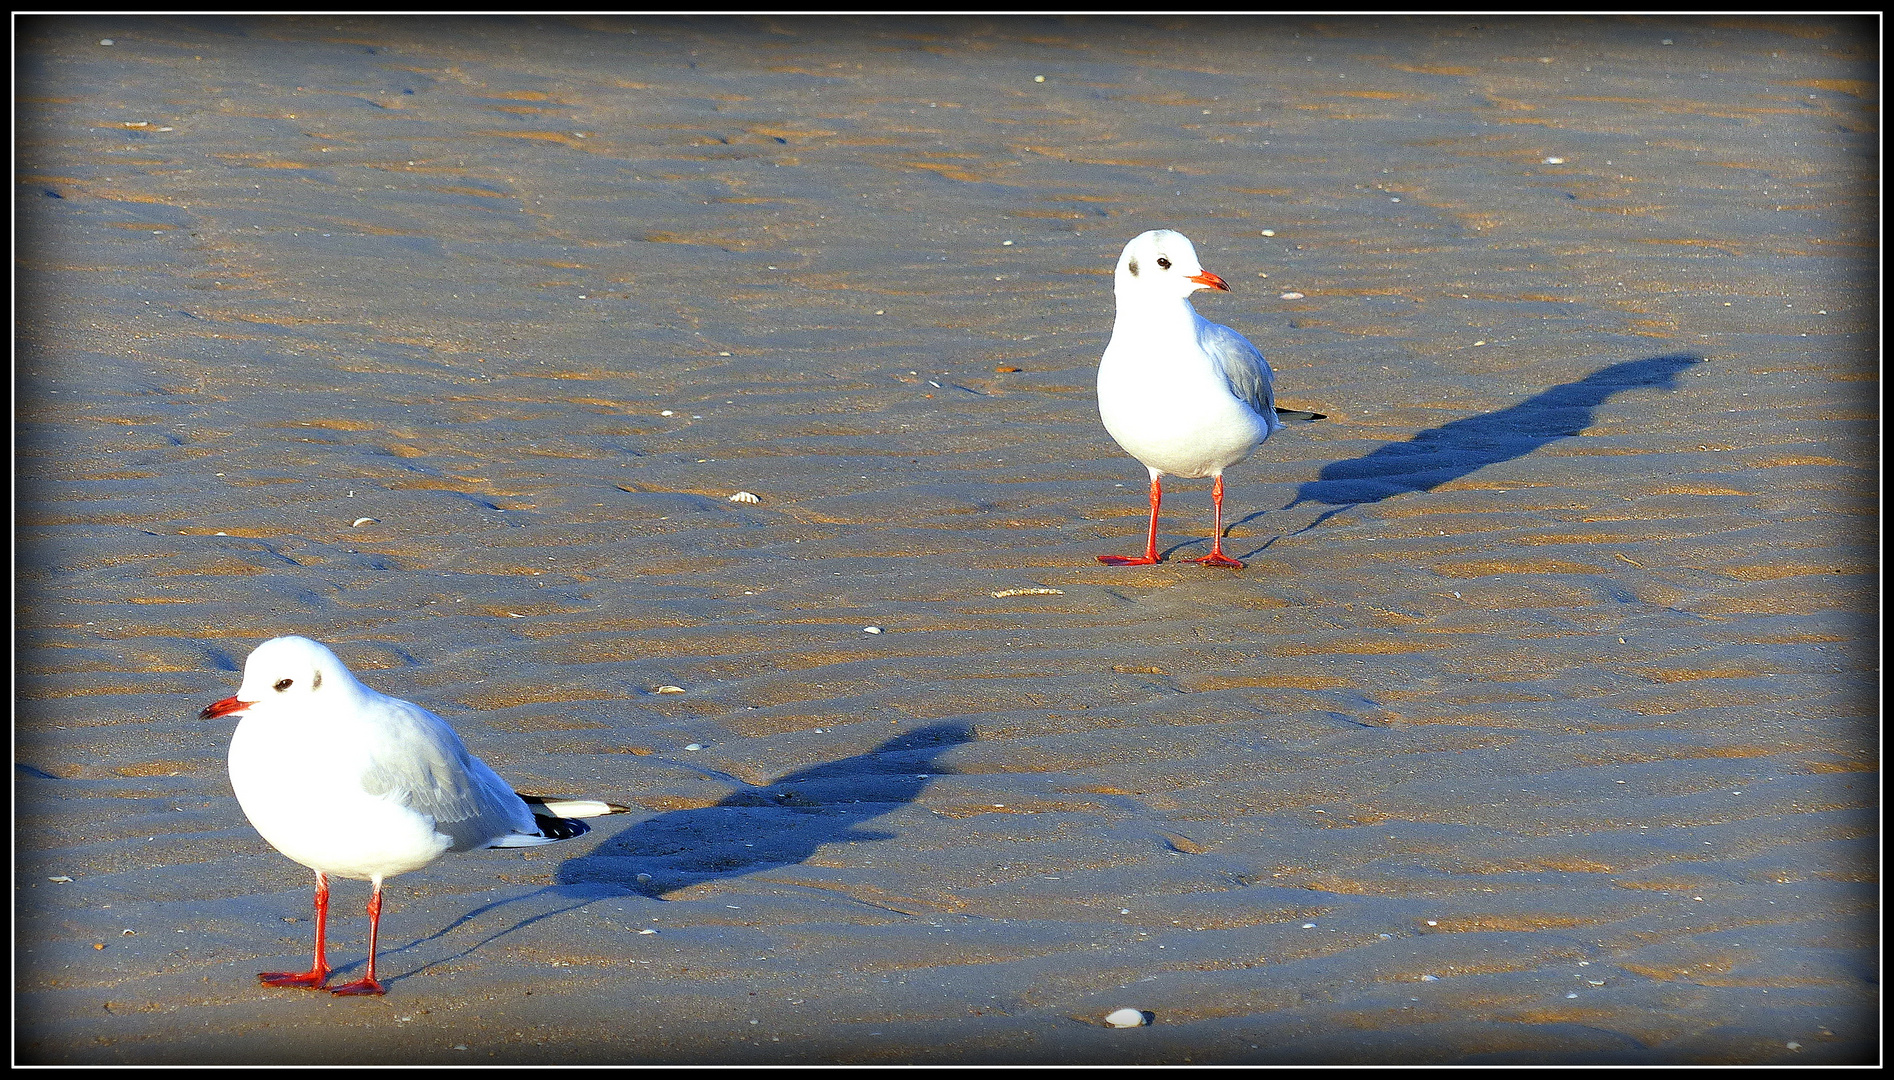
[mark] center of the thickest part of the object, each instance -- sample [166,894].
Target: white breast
[1172,410]
[302,794]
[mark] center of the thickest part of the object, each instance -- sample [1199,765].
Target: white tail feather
[574,808]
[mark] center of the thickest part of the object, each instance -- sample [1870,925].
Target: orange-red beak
[223,708]
[1210,279]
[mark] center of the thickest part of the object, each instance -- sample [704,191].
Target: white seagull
[1182,394]
[351,782]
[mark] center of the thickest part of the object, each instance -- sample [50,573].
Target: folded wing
[419,762]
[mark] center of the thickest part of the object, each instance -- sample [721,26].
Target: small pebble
[61,878]
[667,688]
[1790,1045]
[1006,243]
[646,930]
[1555,161]
[1003,593]
[1308,926]
[1126,1018]
[744,497]
[1292,296]
[667,412]
[1005,370]
[359,522]
[693,746]
[1269,232]
[642,878]
[1430,978]
[1035,78]
[871,629]
[106,41]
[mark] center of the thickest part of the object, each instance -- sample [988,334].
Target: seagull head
[1162,263]
[286,672]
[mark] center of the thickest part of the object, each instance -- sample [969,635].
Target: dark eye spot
[1163,263]
[283,684]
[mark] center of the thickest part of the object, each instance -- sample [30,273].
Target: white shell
[667,688]
[1003,593]
[744,497]
[359,522]
[1125,1018]
[871,629]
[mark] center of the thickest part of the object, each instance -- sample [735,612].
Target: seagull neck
[1154,314]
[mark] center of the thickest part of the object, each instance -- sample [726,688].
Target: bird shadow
[777,824]
[384,954]
[1453,450]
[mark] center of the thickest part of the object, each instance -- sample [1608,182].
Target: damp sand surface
[1540,727]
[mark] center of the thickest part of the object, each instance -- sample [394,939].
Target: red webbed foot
[1126,560]
[360,986]
[1219,559]
[312,978]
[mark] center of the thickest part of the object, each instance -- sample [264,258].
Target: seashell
[1127,1018]
[359,522]
[667,688]
[1292,296]
[1003,593]
[871,629]
[744,497]
[693,746]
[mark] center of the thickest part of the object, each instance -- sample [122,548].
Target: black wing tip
[1297,414]
[558,828]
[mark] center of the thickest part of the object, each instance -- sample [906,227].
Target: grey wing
[1243,368]
[418,761]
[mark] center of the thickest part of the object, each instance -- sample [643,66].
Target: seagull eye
[283,684]
[1163,263]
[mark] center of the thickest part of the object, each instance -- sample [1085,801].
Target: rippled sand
[1540,727]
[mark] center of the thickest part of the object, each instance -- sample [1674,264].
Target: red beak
[1210,279]
[223,708]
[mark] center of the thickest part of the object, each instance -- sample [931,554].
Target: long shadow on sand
[775,825]
[1451,451]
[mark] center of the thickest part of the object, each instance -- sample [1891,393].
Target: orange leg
[1150,540]
[319,970]
[367,984]
[1216,556]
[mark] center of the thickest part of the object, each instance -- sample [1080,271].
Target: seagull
[351,782]
[1180,393]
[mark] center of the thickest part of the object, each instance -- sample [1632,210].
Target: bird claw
[363,986]
[1219,559]
[1126,560]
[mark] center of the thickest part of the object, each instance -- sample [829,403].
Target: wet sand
[1540,727]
